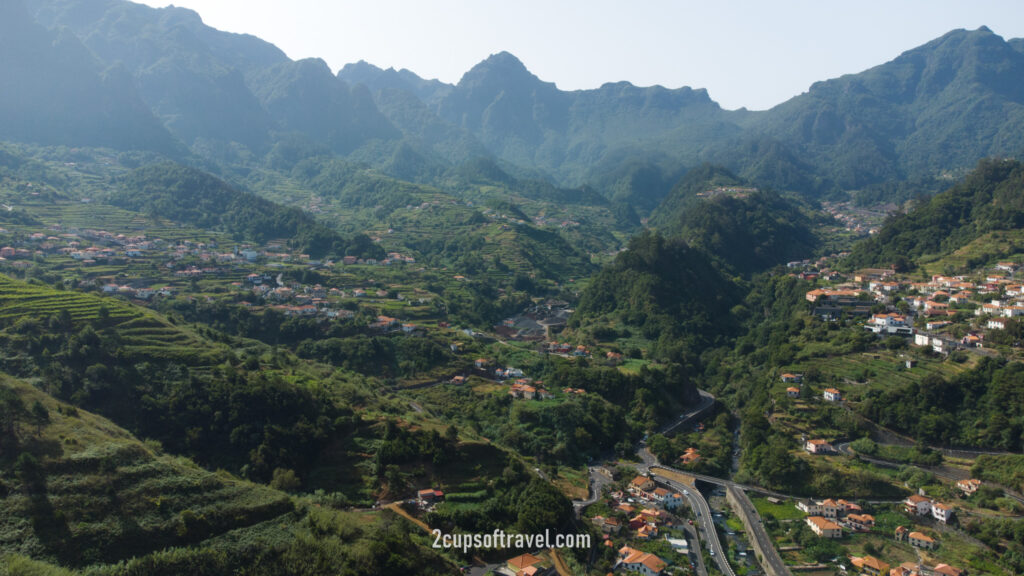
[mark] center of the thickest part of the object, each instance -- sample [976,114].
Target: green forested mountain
[745,228]
[659,288]
[929,113]
[989,200]
[567,134]
[939,107]
[196,198]
[934,109]
[304,97]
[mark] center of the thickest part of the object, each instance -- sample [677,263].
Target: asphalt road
[704,520]
[706,402]
[758,533]
[747,508]
[598,480]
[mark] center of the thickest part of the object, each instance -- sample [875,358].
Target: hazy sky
[746,53]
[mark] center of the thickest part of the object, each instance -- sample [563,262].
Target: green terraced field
[144,333]
[119,499]
[19,299]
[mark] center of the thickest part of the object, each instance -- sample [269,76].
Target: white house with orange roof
[920,540]
[891,323]
[667,498]
[1014,311]
[942,512]
[993,308]
[824,527]
[632,560]
[828,508]
[860,522]
[996,324]
[832,395]
[917,504]
[819,446]
[969,486]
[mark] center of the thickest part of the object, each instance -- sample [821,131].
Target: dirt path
[397,509]
[560,566]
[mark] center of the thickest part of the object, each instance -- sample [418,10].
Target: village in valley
[944,320]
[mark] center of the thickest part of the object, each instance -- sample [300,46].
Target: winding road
[705,521]
[771,561]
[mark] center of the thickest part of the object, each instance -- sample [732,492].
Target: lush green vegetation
[199,199]
[919,455]
[85,494]
[988,200]
[747,231]
[502,195]
[658,289]
[163,382]
[1005,469]
[982,407]
[748,234]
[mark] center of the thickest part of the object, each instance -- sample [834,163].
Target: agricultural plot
[20,299]
[143,333]
[118,498]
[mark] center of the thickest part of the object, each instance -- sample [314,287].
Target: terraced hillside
[90,492]
[80,492]
[143,334]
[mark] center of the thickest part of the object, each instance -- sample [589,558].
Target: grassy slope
[105,496]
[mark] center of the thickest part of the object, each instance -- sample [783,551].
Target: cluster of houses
[918,569]
[392,258]
[317,300]
[521,388]
[919,505]
[859,219]
[933,305]
[644,521]
[566,349]
[874,567]
[828,518]
[829,394]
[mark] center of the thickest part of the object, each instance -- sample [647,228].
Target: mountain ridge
[231,98]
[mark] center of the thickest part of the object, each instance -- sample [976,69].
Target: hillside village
[944,313]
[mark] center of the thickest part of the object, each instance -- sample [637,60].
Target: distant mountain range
[117,74]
